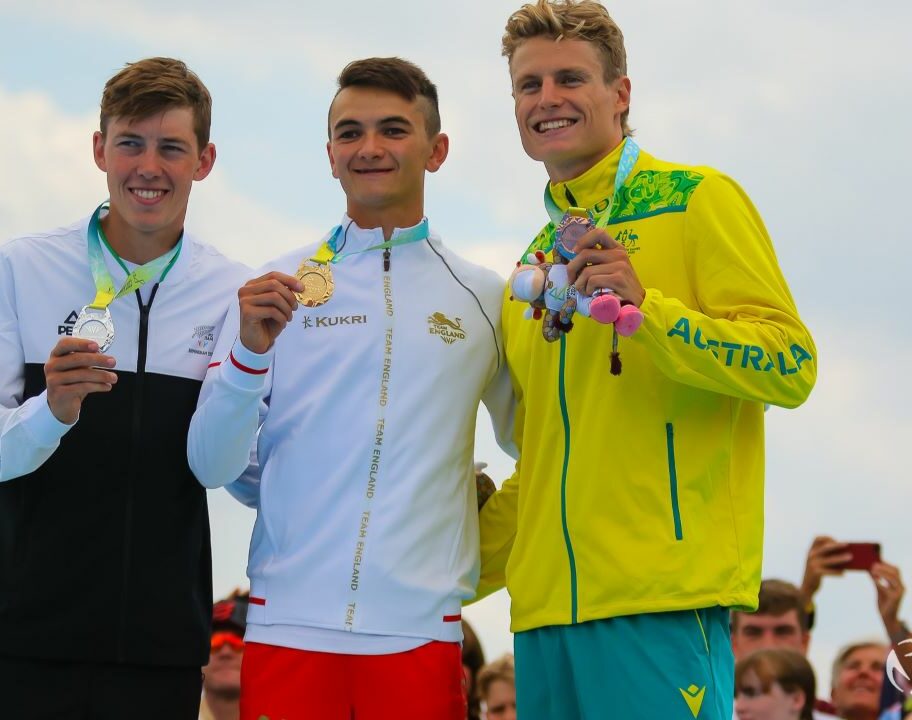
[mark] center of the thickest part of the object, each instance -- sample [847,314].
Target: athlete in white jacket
[361,416]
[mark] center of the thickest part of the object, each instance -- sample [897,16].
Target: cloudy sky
[806,104]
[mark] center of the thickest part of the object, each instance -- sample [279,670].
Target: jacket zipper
[561,389]
[132,478]
[673,481]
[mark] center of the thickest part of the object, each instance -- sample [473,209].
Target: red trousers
[279,683]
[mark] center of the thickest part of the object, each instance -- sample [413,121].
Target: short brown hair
[154,85]
[574,20]
[398,76]
[776,598]
[472,658]
[501,669]
[788,668]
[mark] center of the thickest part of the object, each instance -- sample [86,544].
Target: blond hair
[151,86]
[574,20]
[500,669]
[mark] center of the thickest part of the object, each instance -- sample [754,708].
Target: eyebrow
[392,119]
[136,136]
[559,71]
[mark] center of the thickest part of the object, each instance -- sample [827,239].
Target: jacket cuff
[40,423]
[246,369]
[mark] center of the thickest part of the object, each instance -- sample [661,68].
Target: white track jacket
[362,421]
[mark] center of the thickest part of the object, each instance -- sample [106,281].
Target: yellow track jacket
[644,492]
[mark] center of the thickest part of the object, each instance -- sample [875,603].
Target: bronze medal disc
[318,284]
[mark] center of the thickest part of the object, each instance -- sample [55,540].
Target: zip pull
[386,260]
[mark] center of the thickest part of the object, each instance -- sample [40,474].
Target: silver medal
[95,324]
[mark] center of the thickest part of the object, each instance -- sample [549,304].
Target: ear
[439,152]
[623,91]
[98,143]
[805,642]
[206,161]
[797,699]
[332,160]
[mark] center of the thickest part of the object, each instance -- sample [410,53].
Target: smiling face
[569,118]
[151,164]
[379,150]
[857,685]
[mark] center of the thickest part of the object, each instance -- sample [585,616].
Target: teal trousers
[668,666]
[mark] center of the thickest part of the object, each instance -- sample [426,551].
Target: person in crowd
[774,684]
[222,676]
[473,660]
[497,688]
[857,679]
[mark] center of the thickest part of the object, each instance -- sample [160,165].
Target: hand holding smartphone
[864,555]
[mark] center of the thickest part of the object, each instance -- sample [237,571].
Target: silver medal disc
[95,324]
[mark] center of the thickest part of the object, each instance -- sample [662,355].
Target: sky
[805,104]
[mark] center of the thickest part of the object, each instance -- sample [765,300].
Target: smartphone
[864,555]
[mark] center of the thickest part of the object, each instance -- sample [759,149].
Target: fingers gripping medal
[318,283]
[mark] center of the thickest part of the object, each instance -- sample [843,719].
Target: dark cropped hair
[398,76]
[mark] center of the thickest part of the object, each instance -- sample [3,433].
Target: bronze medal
[318,284]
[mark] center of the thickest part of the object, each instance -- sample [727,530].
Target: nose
[371,146]
[549,96]
[149,165]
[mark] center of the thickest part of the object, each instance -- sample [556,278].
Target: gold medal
[318,284]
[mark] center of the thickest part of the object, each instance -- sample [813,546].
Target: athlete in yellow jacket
[635,516]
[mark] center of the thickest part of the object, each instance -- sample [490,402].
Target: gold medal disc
[318,284]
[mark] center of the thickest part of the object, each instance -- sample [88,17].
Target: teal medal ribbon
[94,321]
[327,252]
[629,156]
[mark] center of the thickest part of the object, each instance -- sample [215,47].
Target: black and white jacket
[104,532]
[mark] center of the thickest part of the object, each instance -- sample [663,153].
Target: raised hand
[267,304]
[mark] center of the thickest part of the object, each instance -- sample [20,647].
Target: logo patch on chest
[320,321]
[203,340]
[66,327]
[447,330]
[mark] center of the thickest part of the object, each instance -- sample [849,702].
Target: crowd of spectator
[774,679]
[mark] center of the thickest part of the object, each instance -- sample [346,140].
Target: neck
[562,171]
[388,219]
[135,246]
[222,707]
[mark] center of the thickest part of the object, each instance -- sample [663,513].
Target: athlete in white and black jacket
[103,528]
[105,569]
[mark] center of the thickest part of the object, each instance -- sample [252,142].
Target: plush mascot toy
[545,286]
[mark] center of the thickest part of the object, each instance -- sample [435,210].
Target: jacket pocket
[673,482]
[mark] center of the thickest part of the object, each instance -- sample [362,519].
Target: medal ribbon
[327,251]
[105,293]
[629,156]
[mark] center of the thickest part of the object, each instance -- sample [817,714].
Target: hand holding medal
[75,368]
[267,304]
